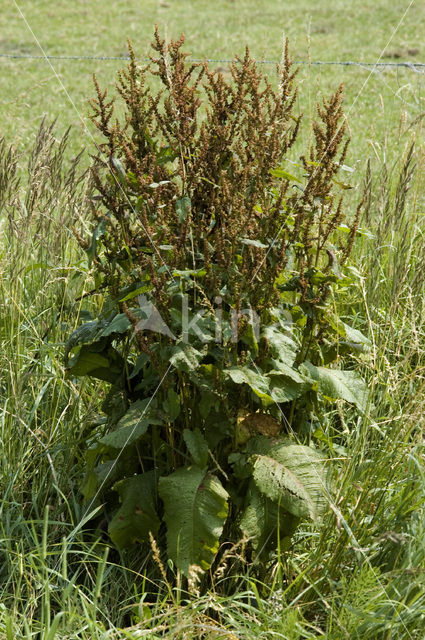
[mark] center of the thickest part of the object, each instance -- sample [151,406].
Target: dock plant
[217,250]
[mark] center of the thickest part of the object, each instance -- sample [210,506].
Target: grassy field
[361,575]
[378,105]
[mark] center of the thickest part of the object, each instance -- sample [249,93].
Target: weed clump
[218,255]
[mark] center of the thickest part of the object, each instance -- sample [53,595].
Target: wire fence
[418,67]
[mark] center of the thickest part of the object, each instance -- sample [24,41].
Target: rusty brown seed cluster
[214,141]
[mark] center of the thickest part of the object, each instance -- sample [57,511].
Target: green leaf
[132,425]
[197,446]
[155,185]
[287,383]
[293,476]
[281,173]
[98,232]
[337,383]
[242,468]
[282,345]
[136,292]
[206,401]
[283,388]
[82,335]
[195,510]
[262,519]
[141,361]
[183,206]
[249,337]
[254,243]
[184,357]
[119,324]
[256,380]
[188,273]
[137,516]
[117,164]
[105,365]
[343,185]
[356,337]
[353,336]
[172,405]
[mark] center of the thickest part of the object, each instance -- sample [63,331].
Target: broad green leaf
[197,446]
[201,326]
[115,403]
[184,357]
[132,425]
[249,337]
[183,208]
[262,520]
[82,335]
[353,336]
[282,345]
[136,292]
[292,476]
[217,428]
[141,361]
[337,383]
[105,365]
[282,368]
[103,471]
[195,510]
[287,383]
[172,405]
[206,401]
[357,337]
[137,516]
[256,380]
[119,324]
[241,466]
[284,389]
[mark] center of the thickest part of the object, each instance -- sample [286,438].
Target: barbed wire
[418,67]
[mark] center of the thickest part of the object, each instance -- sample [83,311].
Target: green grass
[317,31]
[362,574]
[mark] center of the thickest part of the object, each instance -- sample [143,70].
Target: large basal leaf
[195,510]
[137,516]
[293,476]
[263,519]
[338,384]
[132,425]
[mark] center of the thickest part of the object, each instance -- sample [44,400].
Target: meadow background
[361,576]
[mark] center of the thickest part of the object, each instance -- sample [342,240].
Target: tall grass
[361,575]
